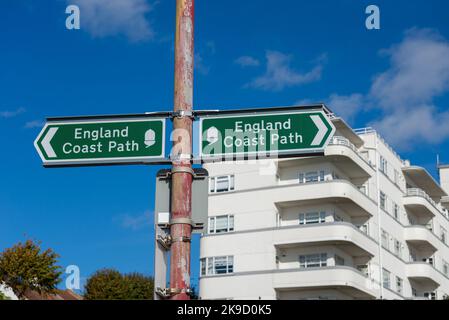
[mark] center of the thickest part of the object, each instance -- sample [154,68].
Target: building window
[203,266]
[337,218]
[396,211]
[339,261]
[396,177]
[383,165]
[363,189]
[385,240]
[386,278]
[221,184]
[217,265]
[313,260]
[312,218]
[445,268]
[429,225]
[383,200]
[443,235]
[221,224]
[399,285]
[428,260]
[364,228]
[312,176]
[430,295]
[363,269]
[397,248]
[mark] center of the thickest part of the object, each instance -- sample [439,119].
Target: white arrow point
[322,130]
[46,142]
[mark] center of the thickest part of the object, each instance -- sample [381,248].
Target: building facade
[357,223]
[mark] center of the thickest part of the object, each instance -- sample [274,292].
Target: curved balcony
[422,179]
[343,154]
[421,237]
[338,192]
[424,273]
[348,159]
[343,235]
[345,279]
[421,204]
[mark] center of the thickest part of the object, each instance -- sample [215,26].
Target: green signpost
[102,141]
[280,133]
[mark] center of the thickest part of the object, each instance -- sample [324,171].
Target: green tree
[3,297]
[138,286]
[109,284]
[26,267]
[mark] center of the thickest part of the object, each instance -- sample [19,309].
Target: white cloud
[136,222]
[422,124]
[34,124]
[419,71]
[11,114]
[200,66]
[404,94]
[103,18]
[247,61]
[280,75]
[346,106]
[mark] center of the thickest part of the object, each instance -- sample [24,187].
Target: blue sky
[250,53]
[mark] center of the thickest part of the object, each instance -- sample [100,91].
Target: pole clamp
[181,157]
[182,170]
[169,292]
[181,221]
[195,226]
[164,241]
[183,114]
[181,239]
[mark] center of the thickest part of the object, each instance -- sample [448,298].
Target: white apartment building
[358,223]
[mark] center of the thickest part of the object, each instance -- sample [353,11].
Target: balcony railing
[416,192]
[342,141]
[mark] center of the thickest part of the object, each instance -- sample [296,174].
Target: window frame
[315,260]
[399,285]
[212,224]
[208,265]
[386,278]
[304,218]
[312,176]
[214,181]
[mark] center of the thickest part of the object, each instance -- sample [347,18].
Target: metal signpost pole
[182,174]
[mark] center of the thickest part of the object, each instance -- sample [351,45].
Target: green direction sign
[101,142]
[265,134]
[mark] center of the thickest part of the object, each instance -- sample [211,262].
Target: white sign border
[102,161]
[240,155]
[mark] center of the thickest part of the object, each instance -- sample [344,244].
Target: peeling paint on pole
[181,196]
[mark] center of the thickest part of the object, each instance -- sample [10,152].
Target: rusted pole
[181,196]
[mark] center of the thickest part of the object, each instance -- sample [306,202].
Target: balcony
[336,192]
[421,237]
[348,159]
[340,234]
[420,178]
[420,203]
[424,273]
[345,280]
[344,155]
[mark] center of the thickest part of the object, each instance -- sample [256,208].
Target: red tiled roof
[59,295]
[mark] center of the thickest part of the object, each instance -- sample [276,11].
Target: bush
[109,284]
[26,267]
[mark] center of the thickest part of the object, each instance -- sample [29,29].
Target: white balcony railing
[416,192]
[342,141]
[369,130]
